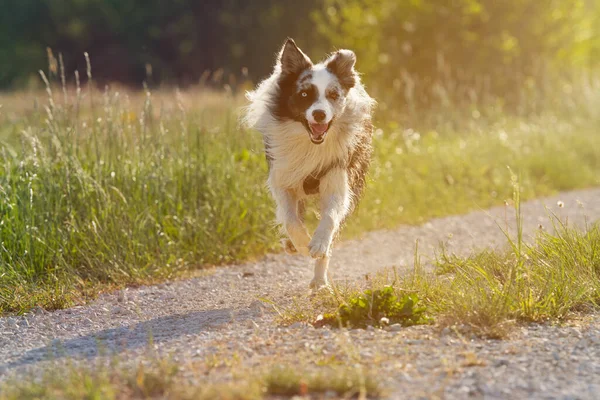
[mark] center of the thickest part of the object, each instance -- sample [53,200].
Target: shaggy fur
[316,123]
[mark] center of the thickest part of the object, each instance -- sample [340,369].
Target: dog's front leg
[335,203]
[288,216]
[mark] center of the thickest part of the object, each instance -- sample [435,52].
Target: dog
[316,123]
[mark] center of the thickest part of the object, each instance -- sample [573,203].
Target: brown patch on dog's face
[341,64]
[313,94]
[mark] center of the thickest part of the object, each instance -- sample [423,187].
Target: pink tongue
[318,128]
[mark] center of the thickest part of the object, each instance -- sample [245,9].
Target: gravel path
[219,314]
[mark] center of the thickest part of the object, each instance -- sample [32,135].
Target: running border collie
[316,124]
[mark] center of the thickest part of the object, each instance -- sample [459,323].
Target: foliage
[550,281]
[345,382]
[115,194]
[161,377]
[410,50]
[369,307]
[433,52]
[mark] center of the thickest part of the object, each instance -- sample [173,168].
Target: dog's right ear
[292,59]
[341,63]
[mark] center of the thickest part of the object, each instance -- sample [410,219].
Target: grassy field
[102,189]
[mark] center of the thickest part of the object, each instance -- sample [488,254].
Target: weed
[370,306]
[342,381]
[163,378]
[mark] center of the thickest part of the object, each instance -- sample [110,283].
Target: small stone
[251,324]
[326,333]
[297,325]
[500,363]
[38,311]
[118,310]
[122,296]
[257,306]
[366,354]
[395,328]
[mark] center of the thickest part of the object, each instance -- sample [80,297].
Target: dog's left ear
[341,63]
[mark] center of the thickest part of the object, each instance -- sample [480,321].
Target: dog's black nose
[319,115]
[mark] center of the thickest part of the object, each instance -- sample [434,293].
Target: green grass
[487,293]
[101,190]
[345,382]
[117,197]
[163,378]
[556,278]
[159,378]
[378,307]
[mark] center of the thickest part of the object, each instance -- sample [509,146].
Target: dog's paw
[319,248]
[288,246]
[318,283]
[299,239]
[304,251]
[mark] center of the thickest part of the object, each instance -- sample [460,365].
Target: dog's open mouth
[318,132]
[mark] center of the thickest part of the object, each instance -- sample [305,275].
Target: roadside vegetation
[165,378]
[553,279]
[102,189]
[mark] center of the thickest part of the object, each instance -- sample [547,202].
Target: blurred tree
[435,48]
[417,48]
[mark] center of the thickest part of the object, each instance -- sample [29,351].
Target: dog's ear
[292,59]
[341,63]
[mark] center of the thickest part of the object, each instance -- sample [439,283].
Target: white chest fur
[295,157]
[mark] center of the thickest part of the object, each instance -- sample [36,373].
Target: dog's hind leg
[287,243]
[335,205]
[288,216]
[320,278]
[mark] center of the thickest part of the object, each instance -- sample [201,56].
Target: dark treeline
[179,39]
[406,48]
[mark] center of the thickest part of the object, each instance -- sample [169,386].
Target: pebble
[297,325]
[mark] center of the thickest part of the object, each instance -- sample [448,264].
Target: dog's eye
[334,96]
[304,94]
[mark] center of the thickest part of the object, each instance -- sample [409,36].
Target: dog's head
[314,94]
